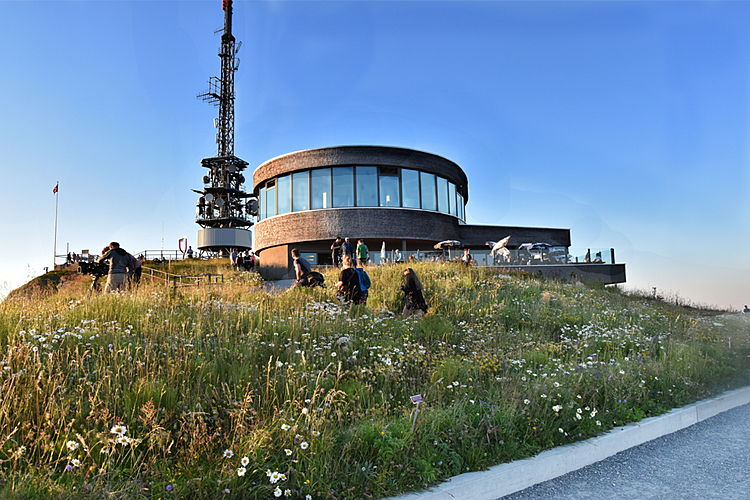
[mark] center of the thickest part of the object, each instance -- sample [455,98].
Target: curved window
[320,179]
[343,187]
[270,199]
[389,190]
[367,186]
[410,188]
[429,201]
[442,195]
[284,194]
[262,203]
[300,191]
[360,186]
[452,198]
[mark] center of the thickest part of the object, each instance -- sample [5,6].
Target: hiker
[348,283]
[414,303]
[120,264]
[336,251]
[363,254]
[302,269]
[364,284]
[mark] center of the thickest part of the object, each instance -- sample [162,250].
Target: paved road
[710,459]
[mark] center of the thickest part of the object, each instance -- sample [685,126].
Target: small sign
[417,399]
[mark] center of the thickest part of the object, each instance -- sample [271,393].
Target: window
[452,199]
[442,194]
[271,198]
[300,191]
[320,179]
[343,187]
[262,203]
[284,194]
[389,192]
[410,188]
[461,214]
[429,202]
[367,186]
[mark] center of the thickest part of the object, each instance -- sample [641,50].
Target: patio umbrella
[382,253]
[499,245]
[447,244]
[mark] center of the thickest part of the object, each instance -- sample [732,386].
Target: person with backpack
[348,283]
[364,284]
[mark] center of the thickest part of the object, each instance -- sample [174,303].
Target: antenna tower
[224,208]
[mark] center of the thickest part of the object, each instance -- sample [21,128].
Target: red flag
[54,191]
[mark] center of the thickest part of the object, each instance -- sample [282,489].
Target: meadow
[228,392]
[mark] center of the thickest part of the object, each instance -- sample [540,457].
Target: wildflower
[75,462]
[245,461]
[315,433]
[557,408]
[560,429]
[228,453]
[593,413]
[287,451]
[284,427]
[304,411]
[544,396]
[526,401]
[308,497]
[277,492]
[119,429]
[123,440]
[69,468]
[304,445]
[598,423]
[170,487]
[298,436]
[241,471]
[556,384]
[72,445]
[227,491]
[279,364]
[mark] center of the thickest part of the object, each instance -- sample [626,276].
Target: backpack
[364,279]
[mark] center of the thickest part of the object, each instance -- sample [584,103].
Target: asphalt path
[710,459]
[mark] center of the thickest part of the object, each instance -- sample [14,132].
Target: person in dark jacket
[348,283]
[414,303]
[120,264]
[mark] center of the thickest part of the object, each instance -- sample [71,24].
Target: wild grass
[228,392]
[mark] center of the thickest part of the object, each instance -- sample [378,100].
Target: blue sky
[627,122]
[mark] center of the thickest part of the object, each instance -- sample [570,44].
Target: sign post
[416,400]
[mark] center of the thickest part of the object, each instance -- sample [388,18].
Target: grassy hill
[229,392]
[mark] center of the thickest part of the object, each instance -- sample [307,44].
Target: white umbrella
[382,253]
[497,247]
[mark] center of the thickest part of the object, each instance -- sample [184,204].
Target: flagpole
[54,250]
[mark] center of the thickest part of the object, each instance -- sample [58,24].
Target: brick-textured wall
[362,155]
[368,223]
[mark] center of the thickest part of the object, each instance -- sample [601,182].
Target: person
[466,259]
[302,269]
[364,284]
[120,264]
[190,252]
[233,257]
[347,249]
[348,283]
[240,262]
[598,258]
[336,251]
[135,277]
[746,310]
[363,254]
[251,261]
[397,256]
[414,303]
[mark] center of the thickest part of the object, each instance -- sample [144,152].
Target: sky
[626,122]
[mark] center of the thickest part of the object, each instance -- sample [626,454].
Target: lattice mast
[223,202]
